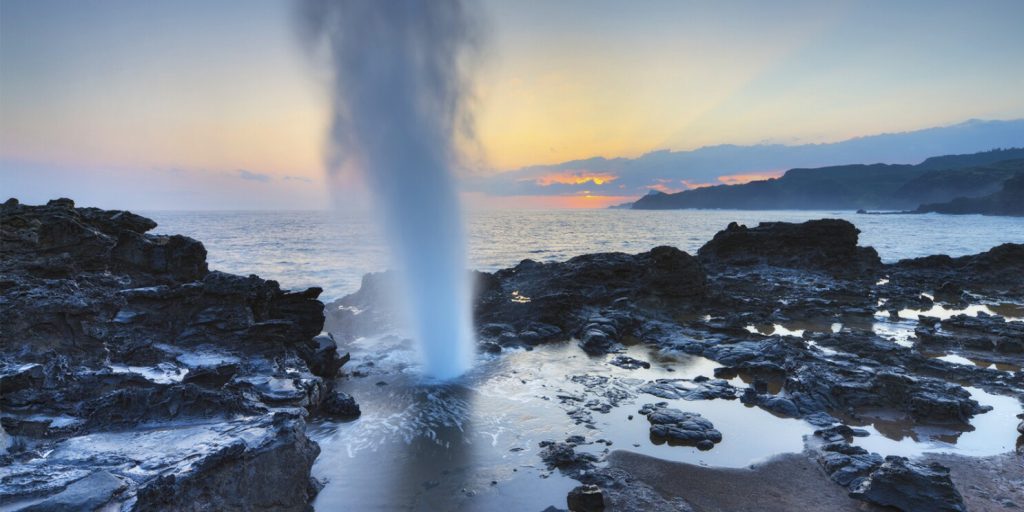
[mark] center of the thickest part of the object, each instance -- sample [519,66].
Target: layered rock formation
[133,376]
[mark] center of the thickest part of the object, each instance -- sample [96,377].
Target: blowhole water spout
[398,95]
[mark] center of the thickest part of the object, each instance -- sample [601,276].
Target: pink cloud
[739,179]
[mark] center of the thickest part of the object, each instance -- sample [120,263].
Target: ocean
[316,248]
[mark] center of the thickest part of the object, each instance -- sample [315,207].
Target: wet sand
[988,484]
[787,483]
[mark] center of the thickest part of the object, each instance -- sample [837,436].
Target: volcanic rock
[629,363]
[586,498]
[998,270]
[341,405]
[89,493]
[825,244]
[907,485]
[569,296]
[687,428]
[147,379]
[564,456]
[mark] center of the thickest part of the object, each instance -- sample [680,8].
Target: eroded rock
[687,428]
[586,498]
[907,485]
[147,379]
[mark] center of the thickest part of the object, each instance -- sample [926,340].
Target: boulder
[908,485]
[341,405]
[586,498]
[686,428]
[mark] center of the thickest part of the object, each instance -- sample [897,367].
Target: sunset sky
[214,104]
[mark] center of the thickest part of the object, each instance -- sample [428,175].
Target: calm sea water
[301,249]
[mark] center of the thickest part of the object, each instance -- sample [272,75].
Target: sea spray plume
[398,91]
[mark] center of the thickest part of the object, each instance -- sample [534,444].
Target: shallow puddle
[990,433]
[900,330]
[749,434]
[774,329]
[943,313]
[974,361]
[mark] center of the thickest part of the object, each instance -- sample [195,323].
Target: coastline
[158,340]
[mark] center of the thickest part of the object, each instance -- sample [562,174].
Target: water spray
[398,90]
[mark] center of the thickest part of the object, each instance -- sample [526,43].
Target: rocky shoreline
[134,378]
[723,305]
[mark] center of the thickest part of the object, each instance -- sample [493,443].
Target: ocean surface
[333,251]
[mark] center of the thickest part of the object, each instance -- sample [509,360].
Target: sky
[215,105]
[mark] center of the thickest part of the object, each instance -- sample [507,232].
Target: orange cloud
[739,179]
[575,178]
[549,202]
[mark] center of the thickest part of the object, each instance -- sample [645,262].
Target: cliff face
[151,381]
[852,187]
[1008,201]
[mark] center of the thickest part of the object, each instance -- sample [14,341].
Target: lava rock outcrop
[825,244]
[132,375]
[800,306]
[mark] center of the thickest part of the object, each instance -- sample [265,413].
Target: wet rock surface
[996,271]
[825,244]
[604,487]
[814,325]
[134,377]
[590,298]
[680,427]
[586,498]
[340,405]
[905,485]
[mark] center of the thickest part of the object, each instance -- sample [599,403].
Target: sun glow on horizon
[574,178]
